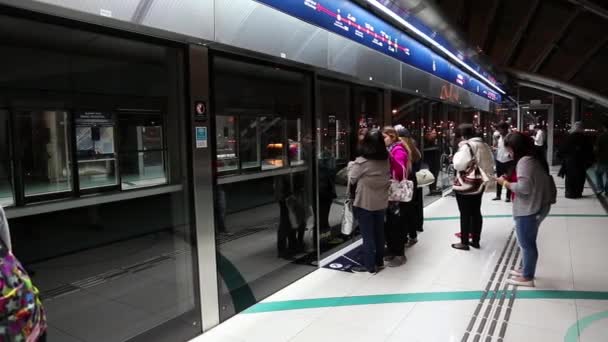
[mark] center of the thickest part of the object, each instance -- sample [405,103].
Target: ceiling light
[412,28]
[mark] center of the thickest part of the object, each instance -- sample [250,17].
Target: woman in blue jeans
[369,175]
[533,197]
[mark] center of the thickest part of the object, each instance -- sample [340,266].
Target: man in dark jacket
[577,153]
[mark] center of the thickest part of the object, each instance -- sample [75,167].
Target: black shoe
[360,269]
[496,198]
[508,200]
[475,245]
[460,246]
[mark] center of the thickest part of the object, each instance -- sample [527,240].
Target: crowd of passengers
[515,161]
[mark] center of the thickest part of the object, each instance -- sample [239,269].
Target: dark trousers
[576,174]
[419,212]
[470,217]
[503,169]
[396,230]
[371,225]
[289,240]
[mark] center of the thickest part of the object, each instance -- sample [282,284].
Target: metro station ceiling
[562,39]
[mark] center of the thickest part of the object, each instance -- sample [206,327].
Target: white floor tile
[544,315]
[322,330]
[434,322]
[517,333]
[597,331]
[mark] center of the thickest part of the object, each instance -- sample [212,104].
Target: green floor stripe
[317,303]
[575,331]
[448,218]
[364,300]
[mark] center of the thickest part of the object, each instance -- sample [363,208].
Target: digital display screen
[357,24]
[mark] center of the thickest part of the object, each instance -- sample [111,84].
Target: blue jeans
[526,228]
[371,225]
[601,171]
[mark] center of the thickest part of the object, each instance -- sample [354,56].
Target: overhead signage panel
[350,20]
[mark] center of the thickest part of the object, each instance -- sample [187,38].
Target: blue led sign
[355,23]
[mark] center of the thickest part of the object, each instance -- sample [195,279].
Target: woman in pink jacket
[396,229]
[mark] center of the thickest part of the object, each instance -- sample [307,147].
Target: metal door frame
[203,189]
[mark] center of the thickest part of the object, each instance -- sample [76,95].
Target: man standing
[539,137]
[504,162]
[601,169]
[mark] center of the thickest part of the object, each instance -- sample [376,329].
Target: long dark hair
[372,146]
[523,146]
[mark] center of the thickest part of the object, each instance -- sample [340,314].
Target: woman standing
[471,149]
[532,202]
[369,174]
[396,231]
[414,209]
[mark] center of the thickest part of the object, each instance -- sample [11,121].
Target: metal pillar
[202,146]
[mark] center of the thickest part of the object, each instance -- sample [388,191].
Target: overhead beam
[554,43]
[586,58]
[491,26]
[511,52]
[591,7]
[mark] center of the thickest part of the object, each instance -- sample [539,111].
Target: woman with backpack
[22,316]
[474,157]
[534,192]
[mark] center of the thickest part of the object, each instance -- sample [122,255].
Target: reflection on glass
[6,189]
[271,137]
[265,217]
[226,143]
[97,173]
[295,140]
[44,144]
[142,157]
[248,144]
[141,169]
[96,152]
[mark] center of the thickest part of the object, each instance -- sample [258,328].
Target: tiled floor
[572,259]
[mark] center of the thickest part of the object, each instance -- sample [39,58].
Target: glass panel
[271,137]
[97,173]
[95,150]
[249,147]
[333,154]
[117,271]
[43,141]
[140,132]
[227,159]
[141,169]
[297,153]
[563,121]
[6,187]
[265,223]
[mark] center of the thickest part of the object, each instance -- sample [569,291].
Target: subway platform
[442,294]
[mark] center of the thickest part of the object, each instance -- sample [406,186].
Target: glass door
[43,152]
[6,186]
[334,127]
[96,150]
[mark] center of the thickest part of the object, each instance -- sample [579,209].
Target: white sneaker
[516,273]
[527,283]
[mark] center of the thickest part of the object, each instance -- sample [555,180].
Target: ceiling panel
[512,16]
[593,74]
[547,21]
[583,36]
